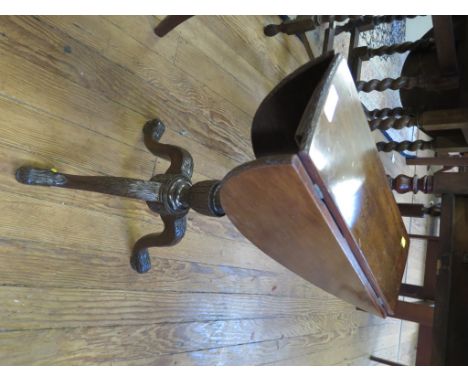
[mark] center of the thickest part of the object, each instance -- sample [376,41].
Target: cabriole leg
[173,232]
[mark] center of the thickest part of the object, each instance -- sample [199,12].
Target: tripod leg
[173,232]
[181,160]
[130,188]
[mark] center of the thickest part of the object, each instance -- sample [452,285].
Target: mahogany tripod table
[316,199]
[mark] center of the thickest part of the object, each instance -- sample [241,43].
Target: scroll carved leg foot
[173,232]
[181,160]
[271,30]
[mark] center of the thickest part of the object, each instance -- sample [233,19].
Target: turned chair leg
[403,184]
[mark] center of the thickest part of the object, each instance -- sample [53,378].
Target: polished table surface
[317,199]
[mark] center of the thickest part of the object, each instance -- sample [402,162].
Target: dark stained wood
[423,237]
[430,269]
[445,44]
[421,313]
[450,36]
[329,38]
[437,120]
[424,348]
[283,216]
[352,179]
[385,361]
[314,357]
[89,83]
[355,61]
[191,343]
[451,182]
[118,97]
[456,321]
[444,279]
[438,161]
[413,291]
[168,24]
[418,210]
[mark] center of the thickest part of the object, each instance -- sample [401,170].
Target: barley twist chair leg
[168,24]
[170,195]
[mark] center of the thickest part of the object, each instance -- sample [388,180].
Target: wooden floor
[74,95]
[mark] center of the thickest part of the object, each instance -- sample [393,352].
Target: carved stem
[405,145]
[205,199]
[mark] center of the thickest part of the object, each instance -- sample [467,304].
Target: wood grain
[74,94]
[36,308]
[44,266]
[339,153]
[282,215]
[89,77]
[342,347]
[143,344]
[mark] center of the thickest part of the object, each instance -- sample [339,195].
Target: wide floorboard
[74,95]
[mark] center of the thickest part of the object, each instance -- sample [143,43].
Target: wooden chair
[447,127]
[307,201]
[354,25]
[442,310]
